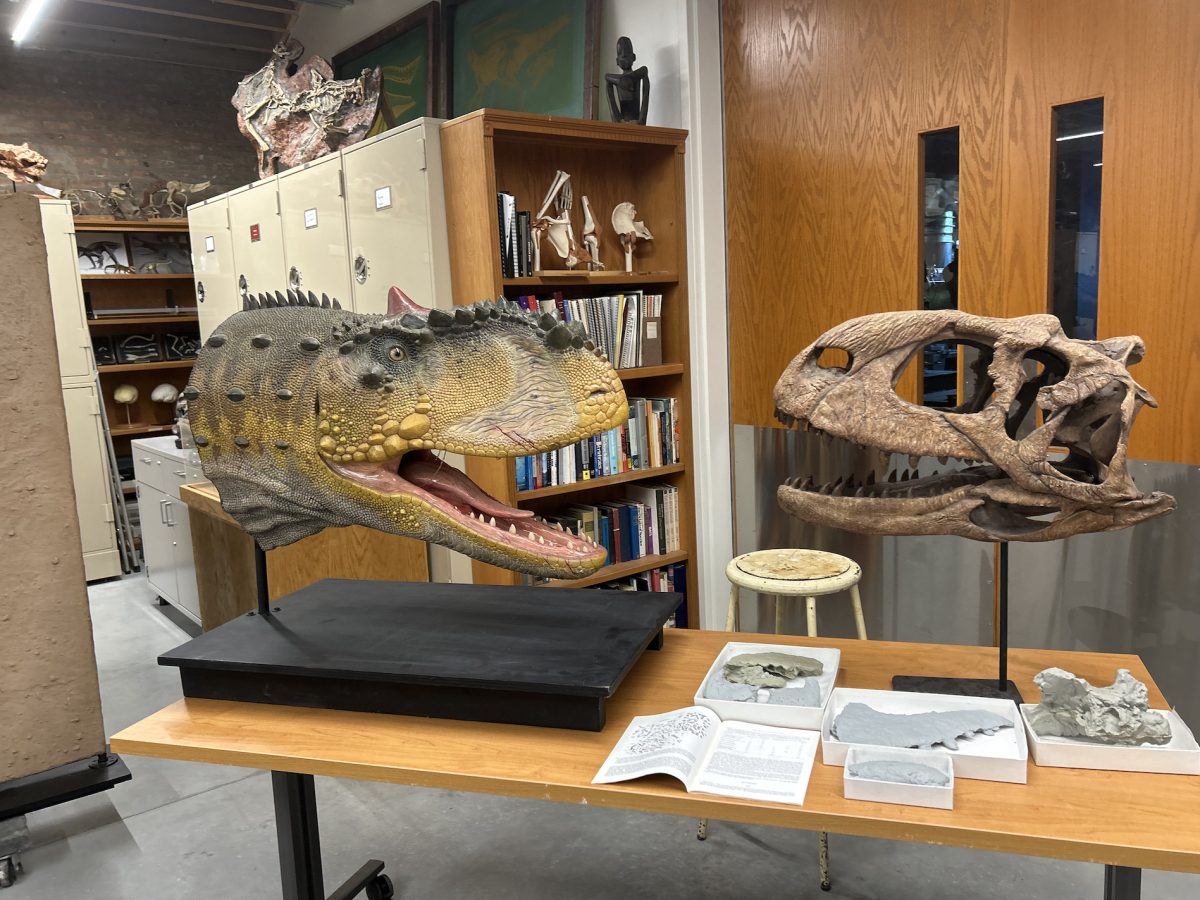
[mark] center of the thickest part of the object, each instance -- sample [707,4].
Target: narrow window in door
[1077,159]
[939,258]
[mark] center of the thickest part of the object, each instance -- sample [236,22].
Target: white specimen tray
[1180,756]
[930,795]
[808,717]
[1003,756]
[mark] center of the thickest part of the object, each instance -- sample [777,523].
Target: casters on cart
[380,888]
[10,870]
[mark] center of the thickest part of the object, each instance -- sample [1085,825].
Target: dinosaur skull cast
[1068,475]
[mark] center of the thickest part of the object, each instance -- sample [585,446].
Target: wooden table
[1124,820]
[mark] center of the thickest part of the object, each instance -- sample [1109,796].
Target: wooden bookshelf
[491,150]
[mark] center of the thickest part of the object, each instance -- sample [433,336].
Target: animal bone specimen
[293,114]
[557,229]
[858,723]
[766,669]
[629,230]
[1011,488]
[1117,714]
[899,772]
[20,164]
[308,416]
[591,236]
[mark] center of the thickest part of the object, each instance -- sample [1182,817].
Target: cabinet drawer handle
[181,474]
[147,459]
[162,511]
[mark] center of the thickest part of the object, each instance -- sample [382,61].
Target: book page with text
[668,744]
[758,762]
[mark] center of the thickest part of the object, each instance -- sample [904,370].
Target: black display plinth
[528,656]
[959,687]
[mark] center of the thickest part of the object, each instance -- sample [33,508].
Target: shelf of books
[631,489]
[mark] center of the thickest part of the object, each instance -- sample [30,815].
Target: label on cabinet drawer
[210,245]
[310,218]
[255,234]
[383,197]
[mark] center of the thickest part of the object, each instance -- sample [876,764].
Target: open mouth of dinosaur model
[425,477]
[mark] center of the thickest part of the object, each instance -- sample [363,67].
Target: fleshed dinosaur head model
[308,416]
[1014,488]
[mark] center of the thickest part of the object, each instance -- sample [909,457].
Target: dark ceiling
[234,35]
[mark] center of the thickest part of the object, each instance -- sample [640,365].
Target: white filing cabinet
[161,469]
[256,237]
[312,213]
[212,263]
[89,459]
[397,217]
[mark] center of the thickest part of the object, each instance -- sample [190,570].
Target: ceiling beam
[275,22]
[76,14]
[121,46]
[280,6]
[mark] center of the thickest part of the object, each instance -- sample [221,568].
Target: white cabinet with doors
[161,469]
[212,264]
[312,214]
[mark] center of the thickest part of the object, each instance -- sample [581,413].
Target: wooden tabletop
[1128,819]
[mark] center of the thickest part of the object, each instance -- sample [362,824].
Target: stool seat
[803,573]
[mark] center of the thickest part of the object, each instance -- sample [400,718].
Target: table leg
[299,838]
[1122,883]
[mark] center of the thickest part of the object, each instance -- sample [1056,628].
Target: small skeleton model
[21,165]
[628,91]
[558,229]
[629,230]
[591,235]
[170,196]
[296,113]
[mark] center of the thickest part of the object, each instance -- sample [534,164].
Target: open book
[733,759]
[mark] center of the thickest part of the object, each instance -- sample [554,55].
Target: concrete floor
[185,830]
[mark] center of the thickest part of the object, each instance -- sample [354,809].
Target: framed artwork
[407,55]
[536,56]
[160,253]
[102,253]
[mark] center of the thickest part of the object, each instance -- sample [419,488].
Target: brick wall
[103,120]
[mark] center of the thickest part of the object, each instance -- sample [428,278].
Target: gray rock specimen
[770,669]
[899,772]
[1118,714]
[718,688]
[858,723]
[806,694]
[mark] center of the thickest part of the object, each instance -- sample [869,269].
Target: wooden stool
[794,573]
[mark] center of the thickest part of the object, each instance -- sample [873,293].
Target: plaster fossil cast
[1013,487]
[1117,714]
[858,723]
[22,165]
[629,230]
[296,113]
[307,416]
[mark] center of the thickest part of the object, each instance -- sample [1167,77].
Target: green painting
[405,54]
[524,55]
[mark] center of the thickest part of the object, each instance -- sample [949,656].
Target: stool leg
[732,616]
[812,615]
[859,621]
[702,830]
[823,856]
[778,614]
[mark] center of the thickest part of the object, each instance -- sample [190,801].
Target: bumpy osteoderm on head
[1067,474]
[308,416]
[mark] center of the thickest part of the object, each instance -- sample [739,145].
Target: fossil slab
[806,694]
[718,687]
[993,480]
[770,669]
[1117,714]
[858,723]
[899,772]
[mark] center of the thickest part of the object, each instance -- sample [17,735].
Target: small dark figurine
[628,92]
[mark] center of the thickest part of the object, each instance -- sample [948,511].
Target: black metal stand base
[300,847]
[959,687]
[60,784]
[1122,883]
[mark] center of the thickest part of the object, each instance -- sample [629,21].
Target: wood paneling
[824,102]
[1126,818]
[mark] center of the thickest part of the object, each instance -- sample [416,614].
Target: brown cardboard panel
[49,695]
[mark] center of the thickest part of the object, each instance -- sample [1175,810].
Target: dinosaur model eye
[396,354]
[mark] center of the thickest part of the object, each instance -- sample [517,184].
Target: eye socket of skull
[834,358]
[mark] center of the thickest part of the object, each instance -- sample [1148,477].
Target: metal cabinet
[397,217]
[212,263]
[161,469]
[66,292]
[312,214]
[256,237]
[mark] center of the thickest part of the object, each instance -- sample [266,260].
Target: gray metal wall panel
[1131,591]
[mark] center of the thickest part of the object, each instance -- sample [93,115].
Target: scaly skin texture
[308,416]
[1015,487]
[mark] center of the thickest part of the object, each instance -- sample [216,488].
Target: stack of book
[648,440]
[516,240]
[645,524]
[625,326]
[664,579]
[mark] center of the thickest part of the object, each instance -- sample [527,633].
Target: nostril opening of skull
[834,358]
